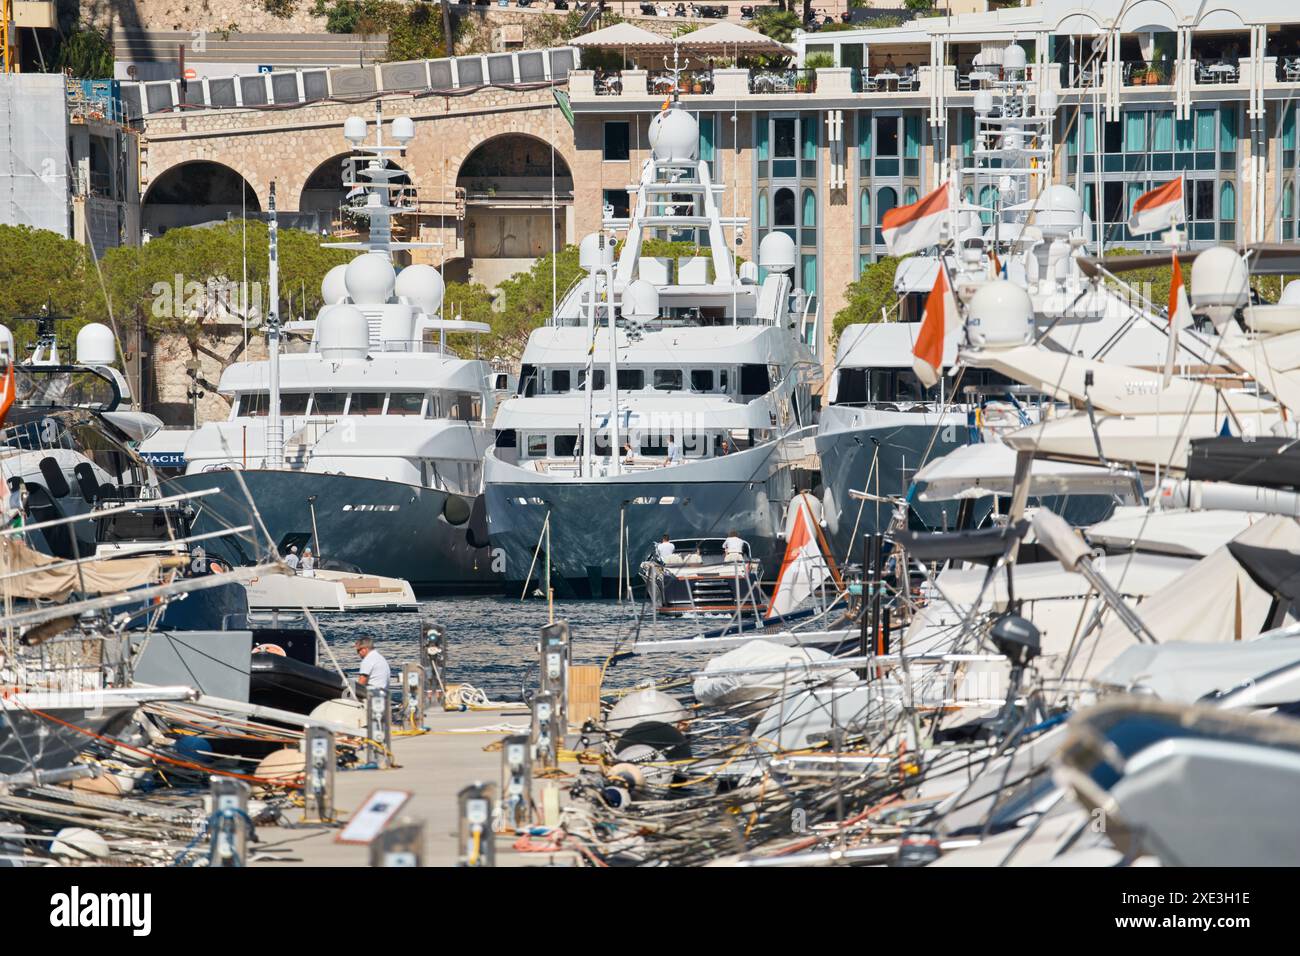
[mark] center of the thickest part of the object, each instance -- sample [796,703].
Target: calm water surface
[491,639]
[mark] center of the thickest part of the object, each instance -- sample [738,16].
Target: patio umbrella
[625,37]
[729,39]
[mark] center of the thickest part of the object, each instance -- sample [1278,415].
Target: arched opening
[334,207]
[783,208]
[506,185]
[194,193]
[886,200]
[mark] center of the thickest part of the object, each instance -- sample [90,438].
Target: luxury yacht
[366,441]
[662,397]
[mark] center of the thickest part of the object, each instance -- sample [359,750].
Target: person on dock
[292,559]
[308,564]
[665,549]
[733,548]
[374,667]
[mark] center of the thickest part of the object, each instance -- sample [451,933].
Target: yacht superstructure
[664,396]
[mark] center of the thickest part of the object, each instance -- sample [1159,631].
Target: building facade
[1144,91]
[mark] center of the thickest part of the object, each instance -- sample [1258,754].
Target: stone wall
[222,345]
[249,16]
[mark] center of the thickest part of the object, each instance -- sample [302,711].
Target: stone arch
[194,192]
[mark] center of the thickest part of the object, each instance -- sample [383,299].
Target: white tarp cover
[733,688]
[1187,672]
[1194,533]
[34,151]
[1216,601]
[989,468]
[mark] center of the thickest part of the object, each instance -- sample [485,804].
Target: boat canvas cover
[39,576]
[1188,672]
[989,468]
[1216,601]
[1261,460]
[733,688]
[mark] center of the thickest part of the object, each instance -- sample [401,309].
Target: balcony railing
[888,81]
[695,81]
[1209,73]
[783,81]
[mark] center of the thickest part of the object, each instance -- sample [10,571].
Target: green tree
[777,24]
[39,267]
[86,53]
[869,295]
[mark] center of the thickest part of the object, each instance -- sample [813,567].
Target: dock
[456,749]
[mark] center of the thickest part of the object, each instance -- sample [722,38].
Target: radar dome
[96,345]
[332,288]
[1013,57]
[1000,315]
[776,252]
[342,332]
[749,273]
[640,300]
[596,251]
[1291,294]
[1220,283]
[674,136]
[1059,210]
[370,279]
[422,286]
[6,341]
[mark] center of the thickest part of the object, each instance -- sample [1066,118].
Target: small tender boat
[698,577]
[327,590]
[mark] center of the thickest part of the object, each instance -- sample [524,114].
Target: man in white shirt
[733,548]
[308,563]
[292,559]
[665,549]
[674,451]
[374,668]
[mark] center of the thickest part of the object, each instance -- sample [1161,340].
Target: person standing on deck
[292,559]
[308,563]
[665,549]
[674,451]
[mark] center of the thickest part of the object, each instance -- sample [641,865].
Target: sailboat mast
[274,429]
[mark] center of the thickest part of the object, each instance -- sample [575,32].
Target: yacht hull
[381,527]
[586,517]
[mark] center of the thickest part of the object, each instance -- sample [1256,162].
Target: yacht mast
[274,428]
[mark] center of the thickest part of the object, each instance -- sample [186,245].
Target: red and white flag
[1180,316]
[7,390]
[918,226]
[941,320]
[1158,209]
[804,567]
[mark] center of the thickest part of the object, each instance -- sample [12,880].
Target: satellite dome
[1059,210]
[776,253]
[422,286]
[342,332]
[596,251]
[96,345]
[1220,283]
[6,341]
[1013,57]
[1291,294]
[640,300]
[749,273]
[1047,102]
[1000,315]
[370,279]
[675,136]
[332,288]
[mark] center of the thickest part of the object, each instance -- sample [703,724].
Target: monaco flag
[941,320]
[1158,209]
[918,226]
[1180,316]
[804,567]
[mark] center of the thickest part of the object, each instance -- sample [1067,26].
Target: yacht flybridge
[664,396]
[367,445]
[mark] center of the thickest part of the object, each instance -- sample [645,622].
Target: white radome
[370,279]
[1220,283]
[342,332]
[422,286]
[96,345]
[1059,210]
[674,136]
[332,288]
[1291,294]
[596,251]
[640,300]
[776,253]
[1013,57]
[1000,315]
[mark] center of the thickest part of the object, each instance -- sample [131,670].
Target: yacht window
[631,379]
[701,380]
[668,379]
[655,447]
[366,403]
[328,403]
[565,445]
[253,404]
[722,380]
[528,380]
[754,380]
[598,378]
[536,446]
[601,449]
[293,403]
[560,380]
[405,403]
[468,407]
